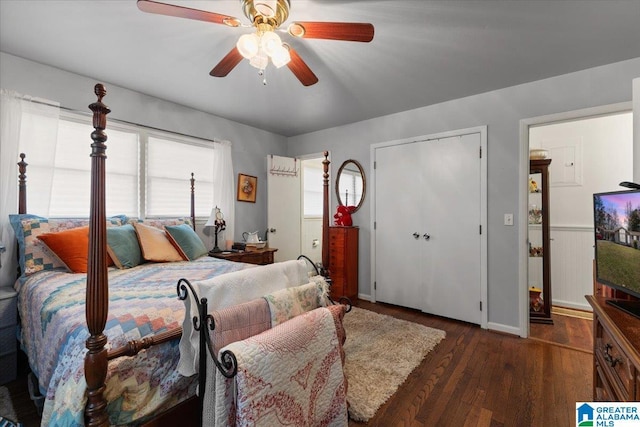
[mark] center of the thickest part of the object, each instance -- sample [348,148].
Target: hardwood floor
[569,331]
[473,377]
[476,377]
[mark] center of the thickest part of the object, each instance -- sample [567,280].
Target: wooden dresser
[258,256]
[343,261]
[616,353]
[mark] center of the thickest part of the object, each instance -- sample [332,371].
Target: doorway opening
[294,206]
[590,151]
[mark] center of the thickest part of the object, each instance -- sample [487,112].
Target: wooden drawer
[258,256]
[602,391]
[615,365]
[343,261]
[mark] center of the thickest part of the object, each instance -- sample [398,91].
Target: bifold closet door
[399,187]
[452,255]
[427,236]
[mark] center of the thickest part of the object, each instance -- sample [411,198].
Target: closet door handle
[416,236]
[426,236]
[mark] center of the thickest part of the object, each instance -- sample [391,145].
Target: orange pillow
[154,244]
[72,247]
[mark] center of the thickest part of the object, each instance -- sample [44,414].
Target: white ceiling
[423,52]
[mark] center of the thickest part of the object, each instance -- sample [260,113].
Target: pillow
[33,254]
[72,247]
[158,222]
[154,244]
[186,241]
[123,247]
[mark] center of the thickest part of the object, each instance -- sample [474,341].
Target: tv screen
[617,240]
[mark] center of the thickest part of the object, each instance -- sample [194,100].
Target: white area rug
[381,351]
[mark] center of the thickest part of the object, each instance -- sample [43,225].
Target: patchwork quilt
[142,302]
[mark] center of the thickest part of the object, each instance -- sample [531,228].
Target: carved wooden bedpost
[22,185]
[325,211]
[95,364]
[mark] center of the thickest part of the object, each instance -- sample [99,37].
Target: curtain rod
[86,113]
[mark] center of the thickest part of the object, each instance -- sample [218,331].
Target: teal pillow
[123,247]
[186,241]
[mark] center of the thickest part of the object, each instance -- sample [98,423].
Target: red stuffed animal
[343,215]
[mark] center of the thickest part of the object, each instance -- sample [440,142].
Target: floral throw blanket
[142,302]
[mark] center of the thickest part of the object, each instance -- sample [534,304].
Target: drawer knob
[612,361]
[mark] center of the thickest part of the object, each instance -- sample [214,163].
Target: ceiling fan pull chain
[263,74]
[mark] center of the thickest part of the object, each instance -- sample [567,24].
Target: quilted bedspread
[142,302]
[289,375]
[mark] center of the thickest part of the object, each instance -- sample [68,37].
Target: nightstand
[8,342]
[258,256]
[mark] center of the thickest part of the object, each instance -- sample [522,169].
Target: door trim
[482,130]
[523,191]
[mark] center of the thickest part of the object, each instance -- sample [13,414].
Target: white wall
[604,158]
[501,111]
[250,145]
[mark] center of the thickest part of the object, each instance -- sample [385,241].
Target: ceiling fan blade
[227,63]
[349,31]
[186,12]
[300,69]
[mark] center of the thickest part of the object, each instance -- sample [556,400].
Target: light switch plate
[508,219]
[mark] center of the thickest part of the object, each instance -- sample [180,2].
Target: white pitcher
[251,237]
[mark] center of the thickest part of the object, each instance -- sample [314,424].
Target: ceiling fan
[266,16]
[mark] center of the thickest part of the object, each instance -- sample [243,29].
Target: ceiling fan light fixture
[270,42]
[260,60]
[281,56]
[248,45]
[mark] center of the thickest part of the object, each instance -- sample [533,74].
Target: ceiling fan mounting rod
[264,27]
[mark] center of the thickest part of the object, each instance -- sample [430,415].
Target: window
[147,171]
[312,187]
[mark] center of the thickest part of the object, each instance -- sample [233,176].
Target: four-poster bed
[111,349]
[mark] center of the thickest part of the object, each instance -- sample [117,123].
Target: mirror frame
[364,182]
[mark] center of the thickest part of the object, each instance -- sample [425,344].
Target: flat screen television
[617,245]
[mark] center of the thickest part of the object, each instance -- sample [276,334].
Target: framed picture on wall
[247,188]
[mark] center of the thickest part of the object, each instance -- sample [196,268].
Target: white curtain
[31,128]
[224,189]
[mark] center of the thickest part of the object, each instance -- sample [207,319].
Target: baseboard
[365,297]
[498,327]
[571,305]
[571,312]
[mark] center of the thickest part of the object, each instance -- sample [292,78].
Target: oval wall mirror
[351,184]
